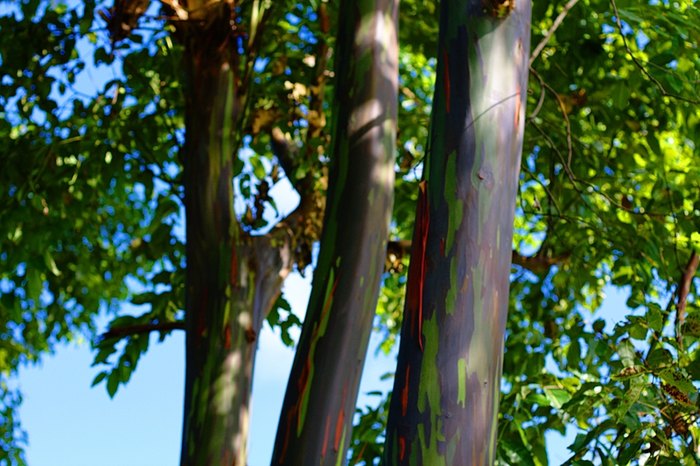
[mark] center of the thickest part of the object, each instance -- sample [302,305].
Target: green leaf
[516,453]
[659,357]
[637,385]
[627,353]
[691,326]
[557,396]
[112,383]
[630,451]
[621,95]
[106,350]
[143,298]
[34,284]
[50,263]
[123,321]
[573,355]
[273,317]
[258,167]
[655,319]
[638,331]
[695,241]
[99,378]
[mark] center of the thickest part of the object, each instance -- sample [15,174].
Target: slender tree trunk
[319,404]
[445,398]
[232,279]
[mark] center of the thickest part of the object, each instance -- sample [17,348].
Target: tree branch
[555,25]
[683,289]
[539,263]
[137,329]
[286,153]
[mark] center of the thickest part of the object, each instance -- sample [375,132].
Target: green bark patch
[455,206]
[318,333]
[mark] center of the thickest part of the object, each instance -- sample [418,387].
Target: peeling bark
[445,398]
[320,400]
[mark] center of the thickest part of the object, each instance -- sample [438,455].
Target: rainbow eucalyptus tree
[445,399]
[231,279]
[317,414]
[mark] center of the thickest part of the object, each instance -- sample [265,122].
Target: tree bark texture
[445,398]
[320,400]
[232,279]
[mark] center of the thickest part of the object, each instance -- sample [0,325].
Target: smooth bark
[232,279]
[445,398]
[320,400]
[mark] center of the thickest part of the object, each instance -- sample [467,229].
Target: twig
[129,330]
[540,101]
[562,107]
[547,37]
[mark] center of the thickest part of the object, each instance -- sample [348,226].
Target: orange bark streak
[402,448]
[325,436]
[227,337]
[290,420]
[362,452]
[341,419]
[339,429]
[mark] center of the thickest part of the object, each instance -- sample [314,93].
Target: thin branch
[679,297]
[540,101]
[537,264]
[137,329]
[286,152]
[562,107]
[683,289]
[555,25]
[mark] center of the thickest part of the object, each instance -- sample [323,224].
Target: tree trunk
[319,404]
[445,398]
[232,279]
